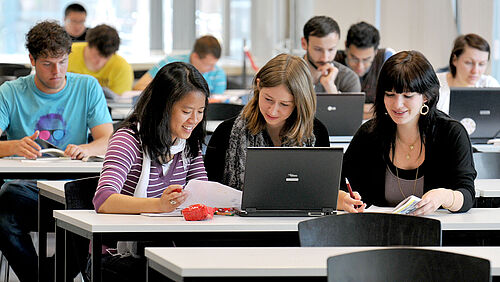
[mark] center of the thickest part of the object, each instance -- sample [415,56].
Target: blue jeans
[19,216]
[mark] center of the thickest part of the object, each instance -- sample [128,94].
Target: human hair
[292,72]
[469,40]
[406,71]
[153,110]
[320,26]
[362,35]
[105,38]
[48,39]
[75,7]
[207,45]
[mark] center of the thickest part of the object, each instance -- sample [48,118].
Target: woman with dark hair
[468,62]
[151,157]
[280,114]
[158,147]
[411,148]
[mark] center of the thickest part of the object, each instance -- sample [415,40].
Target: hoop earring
[424,109]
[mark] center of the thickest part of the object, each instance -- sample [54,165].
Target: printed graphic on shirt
[52,128]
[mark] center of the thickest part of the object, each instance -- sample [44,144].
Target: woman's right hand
[348,204]
[172,197]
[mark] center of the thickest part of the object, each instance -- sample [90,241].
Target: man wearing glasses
[364,58]
[74,22]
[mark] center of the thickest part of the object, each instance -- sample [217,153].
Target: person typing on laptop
[410,147]
[153,154]
[280,114]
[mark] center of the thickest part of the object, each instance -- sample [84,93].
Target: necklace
[411,146]
[399,183]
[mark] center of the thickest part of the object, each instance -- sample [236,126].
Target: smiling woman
[411,148]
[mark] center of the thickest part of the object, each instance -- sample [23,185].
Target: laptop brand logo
[331,108]
[484,112]
[292,177]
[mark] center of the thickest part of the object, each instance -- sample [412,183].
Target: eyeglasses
[57,134]
[356,61]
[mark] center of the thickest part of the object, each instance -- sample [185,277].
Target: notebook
[478,109]
[342,114]
[286,181]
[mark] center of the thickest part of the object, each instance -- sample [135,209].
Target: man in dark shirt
[364,58]
[74,22]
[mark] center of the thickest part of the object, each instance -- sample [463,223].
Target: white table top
[55,187]
[475,219]
[487,187]
[19,165]
[487,147]
[279,261]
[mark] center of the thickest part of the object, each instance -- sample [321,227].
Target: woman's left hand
[431,201]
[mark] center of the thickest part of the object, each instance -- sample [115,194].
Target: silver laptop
[478,109]
[342,114]
[291,181]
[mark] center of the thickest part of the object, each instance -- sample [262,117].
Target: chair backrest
[222,111]
[370,229]
[15,70]
[407,265]
[79,193]
[487,165]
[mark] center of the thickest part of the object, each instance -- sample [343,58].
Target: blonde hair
[292,72]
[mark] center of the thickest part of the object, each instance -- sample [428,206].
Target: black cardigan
[215,156]
[448,162]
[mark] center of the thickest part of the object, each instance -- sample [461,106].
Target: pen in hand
[350,191]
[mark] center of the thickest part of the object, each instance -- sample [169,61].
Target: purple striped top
[123,165]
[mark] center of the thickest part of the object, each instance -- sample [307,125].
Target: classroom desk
[20,168]
[487,187]
[306,263]
[487,147]
[278,231]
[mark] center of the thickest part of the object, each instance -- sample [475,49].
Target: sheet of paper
[374,208]
[209,193]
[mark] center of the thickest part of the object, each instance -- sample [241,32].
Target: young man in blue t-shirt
[54,106]
[204,57]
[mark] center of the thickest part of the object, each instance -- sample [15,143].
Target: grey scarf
[236,155]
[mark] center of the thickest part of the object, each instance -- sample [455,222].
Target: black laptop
[342,114]
[291,181]
[478,109]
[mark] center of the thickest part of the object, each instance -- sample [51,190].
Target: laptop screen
[292,178]
[478,109]
[342,114]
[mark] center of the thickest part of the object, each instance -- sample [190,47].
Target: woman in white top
[468,62]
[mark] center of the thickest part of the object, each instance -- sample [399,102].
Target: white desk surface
[487,187]
[487,147]
[19,165]
[475,219]
[275,261]
[55,187]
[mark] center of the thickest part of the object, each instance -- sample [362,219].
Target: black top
[369,79]
[448,162]
[219,143]
[80,38]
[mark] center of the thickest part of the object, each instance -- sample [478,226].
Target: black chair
[487,165]
[222,111]
[12,71]
[78,196]
[407,265]
[370,229]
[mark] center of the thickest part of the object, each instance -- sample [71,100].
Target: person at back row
[74,22]
[204,57]
[362,55]
[55,106]
[321,37]
[97,57]
[468,62]
[280,114]
[410,147]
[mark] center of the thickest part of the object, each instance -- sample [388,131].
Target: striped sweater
[123,165]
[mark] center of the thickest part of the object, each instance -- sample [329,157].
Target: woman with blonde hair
[280,114]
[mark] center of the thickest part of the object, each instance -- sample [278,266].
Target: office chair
[78,196]
[222,111]
[369,229]
[403,264]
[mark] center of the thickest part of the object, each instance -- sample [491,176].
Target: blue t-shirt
[216,79]
[62,118]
